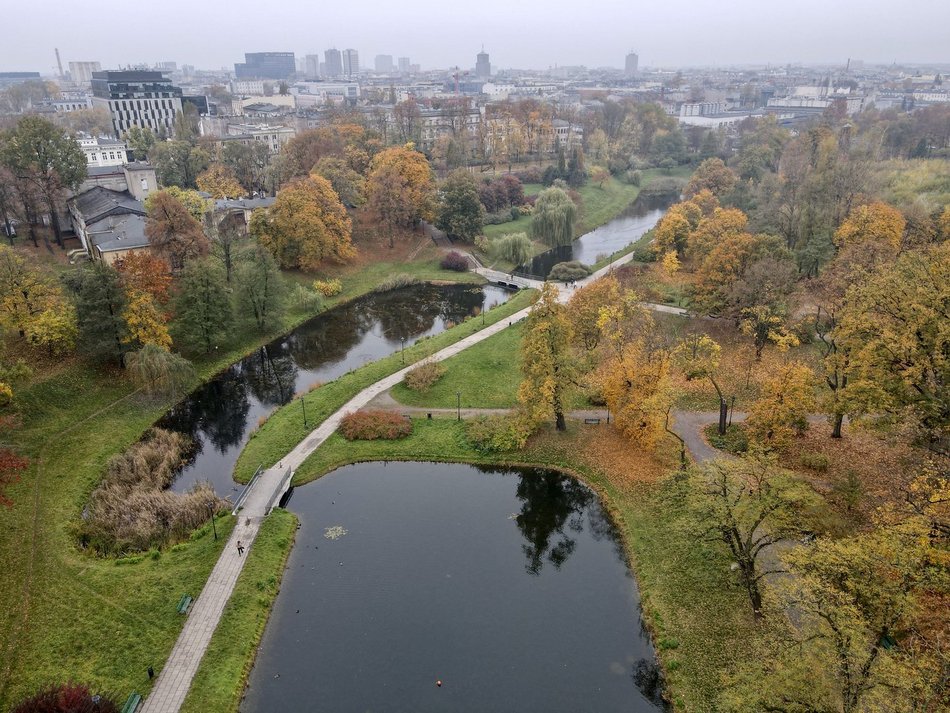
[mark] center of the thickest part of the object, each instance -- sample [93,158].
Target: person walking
[240,548]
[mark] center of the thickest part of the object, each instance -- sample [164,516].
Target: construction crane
[456,76]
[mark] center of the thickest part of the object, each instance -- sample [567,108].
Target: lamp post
[402,349]
[458,405]
[303,405]
[214,528]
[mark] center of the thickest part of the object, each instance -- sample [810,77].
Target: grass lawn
[219,683]
[700,619]
[284,429]
[70,615]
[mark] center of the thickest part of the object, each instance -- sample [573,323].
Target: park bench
[132,703]
[592,421]
[184,603]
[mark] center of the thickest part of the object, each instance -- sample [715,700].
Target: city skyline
[523,36]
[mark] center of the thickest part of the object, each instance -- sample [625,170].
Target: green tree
[576,173]
[179,163]
[546,362]
[100,311]
[140,140]
[712,175]
[515,248]
[554,217]
[158,371]
[39,153]
[248,162]
[460,212]
[349,185]
[260,288]
[203,313]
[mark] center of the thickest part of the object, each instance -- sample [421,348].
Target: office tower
[630,68]
[312,66]
[266,65]
[137,98]
[482,65]
[334,63]
[351,63]
[384,63]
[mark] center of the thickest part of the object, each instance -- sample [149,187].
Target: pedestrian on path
[240,548]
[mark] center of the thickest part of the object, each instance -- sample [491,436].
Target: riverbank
[73,616]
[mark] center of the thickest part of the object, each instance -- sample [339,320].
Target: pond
[626,228]
[220,415]
[510,586]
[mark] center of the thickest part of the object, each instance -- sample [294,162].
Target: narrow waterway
[626,228]
[220,415]
[509,586]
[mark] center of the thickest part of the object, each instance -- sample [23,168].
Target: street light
[214,528]
[303,405]
[458,405]
[402,349]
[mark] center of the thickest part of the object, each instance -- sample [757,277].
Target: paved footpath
[175,678]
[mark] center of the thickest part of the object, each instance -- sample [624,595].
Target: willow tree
[554,217]
[546,362]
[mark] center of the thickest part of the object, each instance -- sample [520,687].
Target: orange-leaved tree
[400,188]
[220,182]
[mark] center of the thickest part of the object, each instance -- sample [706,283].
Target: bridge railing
[239,503]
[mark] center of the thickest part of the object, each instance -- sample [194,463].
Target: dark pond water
[510,586]
[220,415]
[626,228]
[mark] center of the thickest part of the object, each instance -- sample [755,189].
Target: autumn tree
[698,357]
[554,217]
[725,265]
[219,181]
[305,149]
[25,291]
[260,288]
[144,322]
[711,230]
[172,231]
[460,213]
[712,175]
[750,504]
[897,327]
[247,162]
[876,223]
[203,313]
[158,371]
[781,411]
[583,310]
[197,205]
[142,271]
[599,175]
[306,226]
[400,188]
[39,154]
[546,364]
[349,185]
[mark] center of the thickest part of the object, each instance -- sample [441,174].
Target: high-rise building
[351,63]
[266,65]
[81,72]
[404,65]
[334,63]
[137,98]
[630,68]
[482,65]
[312,66]
[384,63]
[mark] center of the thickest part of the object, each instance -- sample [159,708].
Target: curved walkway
[176,676]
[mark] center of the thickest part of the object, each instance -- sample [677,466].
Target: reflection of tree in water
[271,374]
[603,528]
[649,681]
[328,338]
[217,411]
[553,504]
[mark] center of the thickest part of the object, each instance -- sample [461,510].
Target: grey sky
[442,33]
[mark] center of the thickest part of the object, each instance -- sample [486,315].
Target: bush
[499,218]
[328,288]
[375,424]
[423,377]
[568,271]
[735,441]
[529,175]
[550,175]
[454,261]
[395,282]
[494,434]
[66,698]
[618,165]
[515,248]
[814,461]
[132,511]
[665,187]
[634,178]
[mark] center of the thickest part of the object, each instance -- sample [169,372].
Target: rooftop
[98,203]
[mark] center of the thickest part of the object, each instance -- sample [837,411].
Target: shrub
[499,218]
[423,377]
[568,271]
[454,261]
[328,288]
[132,511]
[529,175]
[618,165]
[375,424]
[735,440]
[814,461]
[494,434]
[66,698]
[634,178]
[665,187]
[550,175]
[516,248]
[395,282]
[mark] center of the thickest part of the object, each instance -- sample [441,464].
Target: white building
[103,151]
[274,137]
[81,72]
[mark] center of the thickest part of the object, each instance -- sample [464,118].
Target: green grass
[220,681]
[487,376]
[284,429]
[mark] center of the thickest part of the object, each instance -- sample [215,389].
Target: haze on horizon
[530,34]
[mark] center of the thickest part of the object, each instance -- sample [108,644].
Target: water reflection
[220,414]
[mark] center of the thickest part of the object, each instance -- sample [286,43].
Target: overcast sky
[442,33]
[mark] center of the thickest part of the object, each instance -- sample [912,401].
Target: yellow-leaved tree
[547,366]
[782,410]
[876,223]
[33,305]
[400,188]
[144,322]
[220,182]
[711,230]
[306,226]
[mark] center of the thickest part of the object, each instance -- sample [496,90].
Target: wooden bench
[132,703]
[184,603]
[592,421]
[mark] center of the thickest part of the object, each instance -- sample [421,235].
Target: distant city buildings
[311,66]
[81,72]
[266,65]
[8,79]
[404,65]
[482,65]
[137,98]
[334,63]
[384,64]
[351,63]
[631,66]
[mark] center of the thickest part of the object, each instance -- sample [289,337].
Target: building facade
[482,65]
[137,98]
[81,72]
[103,151]
[266,65]
[311,66]
[632,64]
[334,62]
[351,63]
